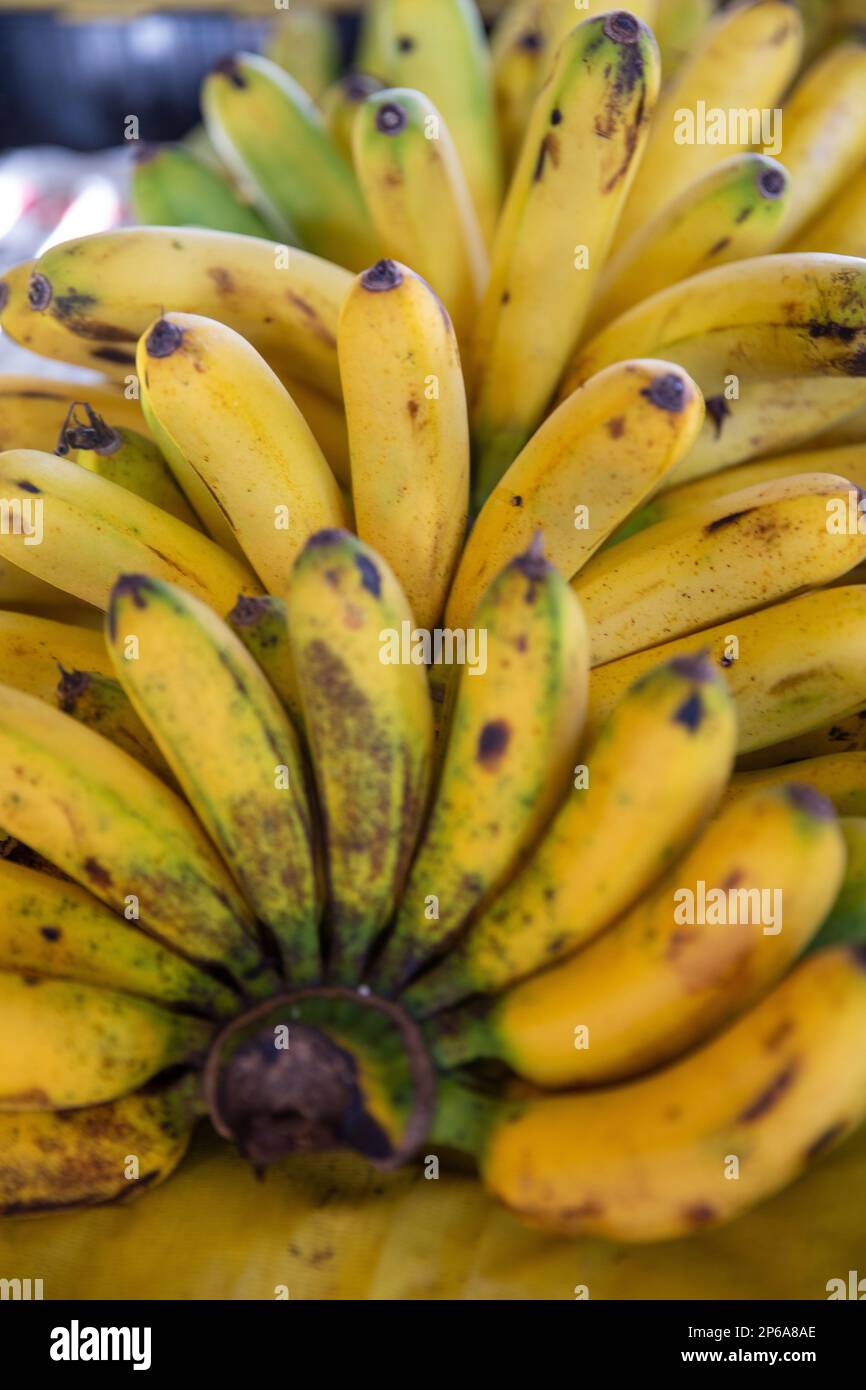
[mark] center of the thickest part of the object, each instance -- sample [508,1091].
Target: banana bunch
[433,653]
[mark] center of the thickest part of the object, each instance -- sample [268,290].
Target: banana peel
[335,1229]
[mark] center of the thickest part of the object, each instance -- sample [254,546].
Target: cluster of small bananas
[281,850]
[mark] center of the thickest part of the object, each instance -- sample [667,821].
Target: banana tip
[39,291]
[667,392]
[163,339]
[622,27]
[384,275]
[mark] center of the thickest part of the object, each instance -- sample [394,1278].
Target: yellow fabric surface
[335,1229]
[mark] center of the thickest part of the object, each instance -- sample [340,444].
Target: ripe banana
[841,223]
[729,213]
[512,742]
[648,781]
[97,294]
[115,828]
[785,315]
[261,623]
[741,64]
[417,194]
[33,409]
[790,667]
[823,134]
[327,420]
[555,229]
[769,417]
[171,188]
[123,456]
[775,1090]
[339,104]
[846,461]
[369,728]
[440,50]
[295,176]
[248,454]
[839,776]
[34,651]
[73,1158]
[304,40]
[253,804]
[842,734]
[586,467]
[93,530]
[720,560]
[408,431]
[722,927]
[51,928]
[50,337]
[65,1044]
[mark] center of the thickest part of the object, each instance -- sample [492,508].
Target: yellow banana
[738,70]
[408,432]
[846,461]
[92,530]
[555,229]
[253,803]
[123,456]
[52,928]
[49,336]
[842,734]
[369,726]
[261,623]
[769,417]
[339,105]
[295,176]
[115,828]
[97,294]
[327,420]
[841,223]
[823,134]
[839,776]
[65,1044]
[773,1092]
[771,316]
[720,560]
[33,409]
[248,452]
[723,925]
[416,191]
[588,465]
[729,213]
[790,667]
[648,781]
[512,742]
[72,1158]
[440,50]
[304,40]
[98,701]
[34,652]
[678,27]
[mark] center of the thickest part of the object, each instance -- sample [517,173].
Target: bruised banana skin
[170,187]
[716,563]
[52,928]
[65,1044]
[440,50]
[253,804]
[744,59]
[96,295]
[94,530]
[33,409]
[606,72]
[771,417]
[416,190]
[795,314]
[655,772]
[512,743]
[845,461]
[655,983]
[51,1161]
[790,668]
[244,443]
[49,337]
[369,729]
[296,177]
[839,776]
[409,445]
[651,410]
[115,828]
[777,1089]
[728,214]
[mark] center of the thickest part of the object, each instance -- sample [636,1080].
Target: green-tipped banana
[171,188]
[262,625]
